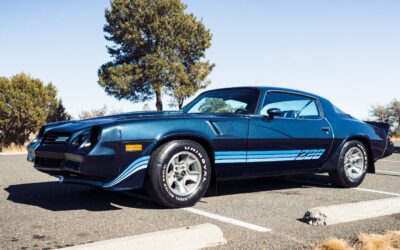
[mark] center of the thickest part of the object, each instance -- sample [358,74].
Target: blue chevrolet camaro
[222,134]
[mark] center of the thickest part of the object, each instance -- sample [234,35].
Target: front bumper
[101,170]
[131,178]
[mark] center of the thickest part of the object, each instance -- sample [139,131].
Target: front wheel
[179,174]
[353,165]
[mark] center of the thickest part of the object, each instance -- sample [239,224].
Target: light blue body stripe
[231,157]
[274,152]
[272,156]
[267,156]
[220,157]
[231,161]
[131,169]
[230,153]
[271,159]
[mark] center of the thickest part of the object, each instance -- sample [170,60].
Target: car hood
[78,125]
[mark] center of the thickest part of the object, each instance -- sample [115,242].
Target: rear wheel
[179,174]
[353,165]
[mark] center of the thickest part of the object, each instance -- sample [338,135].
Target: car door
[296,138]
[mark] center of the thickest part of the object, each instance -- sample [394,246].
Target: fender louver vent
[55,138]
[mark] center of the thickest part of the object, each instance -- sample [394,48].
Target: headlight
[86,142]
[80,140]
[87,139]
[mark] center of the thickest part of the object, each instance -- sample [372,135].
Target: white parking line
[389,161]
[227,220]
[376,191]
[212,216]
[388,172]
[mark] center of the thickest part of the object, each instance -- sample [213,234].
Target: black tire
[156,180]
[339,177]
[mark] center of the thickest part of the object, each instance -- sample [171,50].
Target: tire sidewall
[347,146]
[162,164]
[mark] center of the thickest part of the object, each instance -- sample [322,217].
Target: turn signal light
[133,147]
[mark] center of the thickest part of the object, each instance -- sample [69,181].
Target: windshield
[239,101]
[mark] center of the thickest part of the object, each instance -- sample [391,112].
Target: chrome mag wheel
[354,163]
[183,173]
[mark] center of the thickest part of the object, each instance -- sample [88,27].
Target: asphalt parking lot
[37,212]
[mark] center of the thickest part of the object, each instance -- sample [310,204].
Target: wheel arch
[203,141]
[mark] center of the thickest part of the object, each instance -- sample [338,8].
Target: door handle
[326,129]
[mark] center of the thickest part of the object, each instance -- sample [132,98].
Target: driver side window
[291,105]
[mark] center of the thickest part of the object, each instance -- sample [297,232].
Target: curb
[335,214]
[194,237]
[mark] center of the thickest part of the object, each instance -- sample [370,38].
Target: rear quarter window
[292,105]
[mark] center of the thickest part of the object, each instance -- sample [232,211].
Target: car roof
[269,88]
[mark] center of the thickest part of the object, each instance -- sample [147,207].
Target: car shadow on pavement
[396,150]
[55,196]
[277,184]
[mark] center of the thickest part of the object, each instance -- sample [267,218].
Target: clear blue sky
[347,51]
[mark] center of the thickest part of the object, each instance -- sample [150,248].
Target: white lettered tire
[179,173]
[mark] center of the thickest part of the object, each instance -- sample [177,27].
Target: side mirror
[274,112]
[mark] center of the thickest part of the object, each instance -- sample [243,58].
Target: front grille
[48,162]
[52,138]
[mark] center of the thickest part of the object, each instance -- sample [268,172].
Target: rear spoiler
[383,125]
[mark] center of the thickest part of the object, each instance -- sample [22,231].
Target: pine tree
[25,104]
[58,113]
[156,48]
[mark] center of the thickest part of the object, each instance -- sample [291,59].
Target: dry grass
[388,241]
[333,244]
[13,149]
[17,149]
